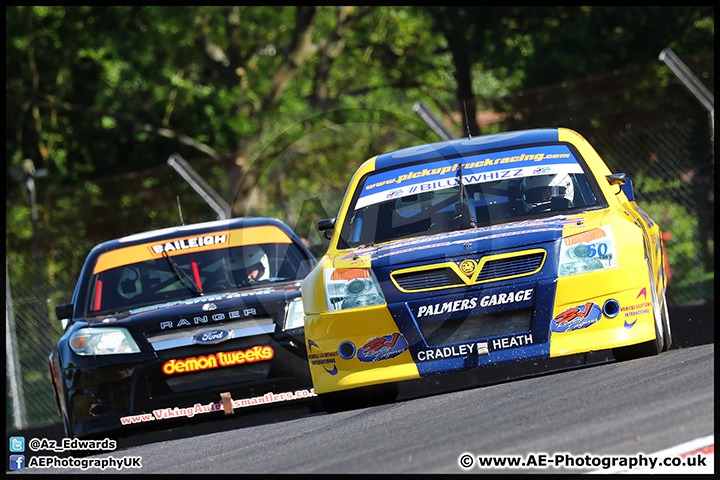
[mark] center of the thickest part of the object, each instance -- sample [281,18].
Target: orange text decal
[220,359]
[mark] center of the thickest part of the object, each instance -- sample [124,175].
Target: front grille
[178,345]
[202,380]
[205,375]
[510,267]
[447,275]
[425,279]
[476,327]
[172,339]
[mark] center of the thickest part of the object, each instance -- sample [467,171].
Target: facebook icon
[17,462]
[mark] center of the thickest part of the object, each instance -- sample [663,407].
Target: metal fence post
[691,82]
[13,365]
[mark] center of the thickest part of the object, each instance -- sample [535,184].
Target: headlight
[295,314]
[103,341]
[587,252]
[351,288]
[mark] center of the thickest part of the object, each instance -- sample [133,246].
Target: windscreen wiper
[187,282]
[464,200]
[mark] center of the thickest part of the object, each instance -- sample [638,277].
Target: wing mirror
[625,184]
[64,311]
[326,225]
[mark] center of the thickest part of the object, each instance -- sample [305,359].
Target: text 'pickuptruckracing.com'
[193,320]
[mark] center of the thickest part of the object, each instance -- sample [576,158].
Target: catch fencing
[645,123]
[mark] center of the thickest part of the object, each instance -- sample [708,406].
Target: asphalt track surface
[578,405]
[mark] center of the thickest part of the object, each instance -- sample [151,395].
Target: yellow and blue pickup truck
[479,251]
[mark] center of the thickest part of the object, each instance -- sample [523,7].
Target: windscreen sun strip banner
[179,245]
[487,167]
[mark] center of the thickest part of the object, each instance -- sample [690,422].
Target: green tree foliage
[99,97]
[523,47]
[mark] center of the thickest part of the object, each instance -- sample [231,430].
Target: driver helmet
[539,190]
[253,258]
[129,283]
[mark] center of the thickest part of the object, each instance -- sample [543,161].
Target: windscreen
[202,272]
[474,190]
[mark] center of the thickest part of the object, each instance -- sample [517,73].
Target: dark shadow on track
[692,325]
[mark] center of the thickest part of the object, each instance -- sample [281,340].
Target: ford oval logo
[212,337]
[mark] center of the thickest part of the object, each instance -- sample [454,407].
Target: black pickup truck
[195,320]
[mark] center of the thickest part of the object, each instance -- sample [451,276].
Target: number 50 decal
[600,250]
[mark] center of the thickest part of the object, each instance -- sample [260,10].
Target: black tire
[663,335]
[355,398]
[67,427]
[666,324]
[69,431]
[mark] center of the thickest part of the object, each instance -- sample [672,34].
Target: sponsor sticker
[576,318]
[518,298]
[199,408]
[189,243]
[640,308]
[210,241]
[479,168]
[382,348]
[479,348]
[322,358]
[257,353]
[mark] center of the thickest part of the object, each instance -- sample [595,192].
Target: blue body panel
[460,147]
[467,337]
